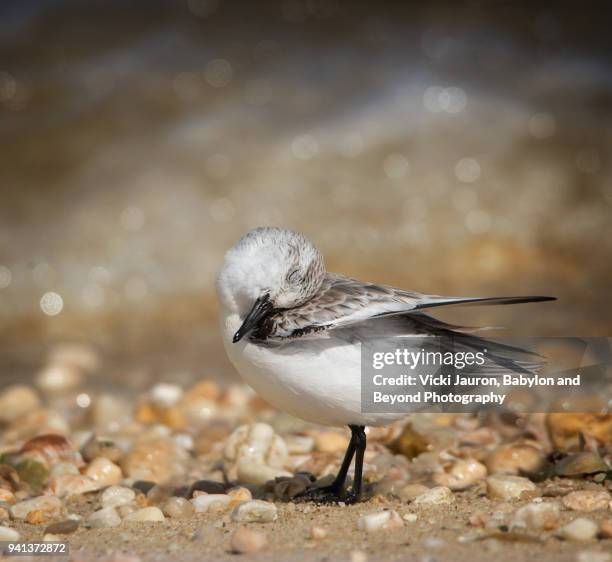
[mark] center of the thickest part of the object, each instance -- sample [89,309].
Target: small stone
[331,442]
[358,556]
[63,527]
[177,508]
[381,520]
[48,449]
[410,443]
[255,511]
[580,529]
[586,500]
[208,486]
[103,471]
[71,485]
[105,517]
[606,528]
[410,517]
[210,502]
[515,458]
[48,505]
[7,496]
[543,516]
[164,395]
[317,533]
[58,378]
[8,534]
[114,496]
[253,473]
[63,469]
[579,464]
[146,514]
[411,491]
[50,537]
[157,459]
[439,495]
[95,447]
[507,487]
[15,401]
[240,494]
[462,474]
[247,541]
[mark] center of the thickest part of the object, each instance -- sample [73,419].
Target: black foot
[326,495]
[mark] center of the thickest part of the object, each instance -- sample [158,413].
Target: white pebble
[146,514]
[410,517]
[380,520]
[247,541]
[317,533]
[114,496]
[580,529]
[164,395]
[537,516]
[255,473]
[506,487]
[105,517]
[8,534]
[47,504]
[255,511]
[50,537]
[210,502]
[439,495]
[462,474]
[104,472]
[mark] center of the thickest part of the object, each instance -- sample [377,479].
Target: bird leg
[335,493]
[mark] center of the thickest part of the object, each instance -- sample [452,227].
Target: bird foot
[327,495]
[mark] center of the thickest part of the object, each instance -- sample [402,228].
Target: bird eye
[293,275]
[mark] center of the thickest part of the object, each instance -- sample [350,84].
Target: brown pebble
[63,527]
[247,541]
[606,529]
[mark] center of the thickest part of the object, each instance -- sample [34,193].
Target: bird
[294,331]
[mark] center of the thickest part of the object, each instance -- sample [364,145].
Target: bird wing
[342,301]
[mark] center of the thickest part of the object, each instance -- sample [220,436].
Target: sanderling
[293,331]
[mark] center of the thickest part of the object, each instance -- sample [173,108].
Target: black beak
[258,313]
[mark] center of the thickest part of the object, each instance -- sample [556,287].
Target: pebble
[358,556]
[514,458]
[586,500]
[254,445]
[210,502]
[462,474]
[58,378]
[248,472]
[410,443]
[507,487]
[247,541]
[439,495]
[240,494]
[50,537]
[331,442]
[317,533]
[381,520]
[63,469]
[7,496]
[95,447]
[543,515]
[103,471]
[164,395]
[606,528]
[105,517]
[411,491]
[146,514]
[63,527]
[49,449]
[177,508]
[578,464]
[410,517]
[157,459]
[48,505]
[580,529]
[114,496]
[71,484]
[15,401]
[255,511]
[8,534]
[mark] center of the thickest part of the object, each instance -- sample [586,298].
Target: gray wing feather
[342,301]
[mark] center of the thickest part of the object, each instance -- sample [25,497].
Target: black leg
[359,438]
[335,491]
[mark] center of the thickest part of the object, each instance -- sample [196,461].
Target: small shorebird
[294,333]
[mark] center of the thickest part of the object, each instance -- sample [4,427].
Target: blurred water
[459,151]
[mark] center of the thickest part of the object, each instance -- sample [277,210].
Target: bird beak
[260,310]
